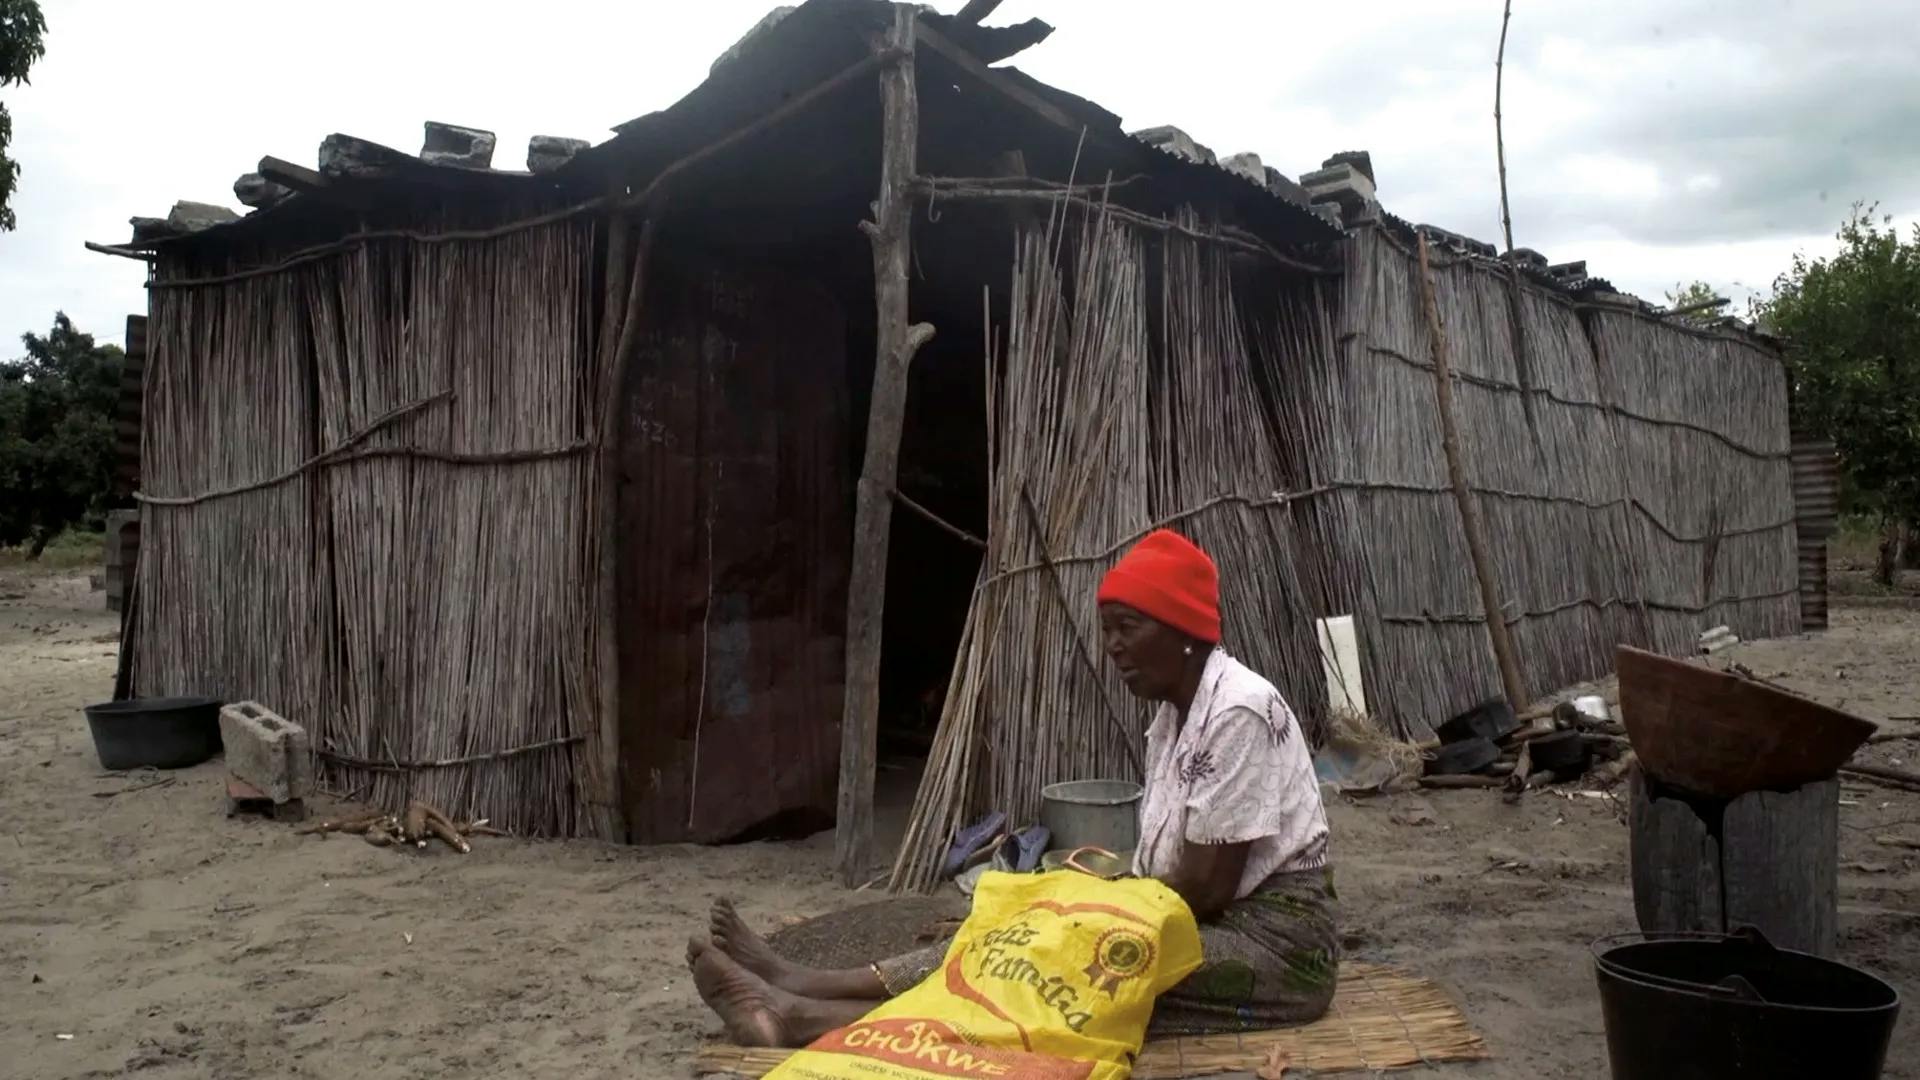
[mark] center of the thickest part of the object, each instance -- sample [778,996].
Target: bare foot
[746,1004]
[748,949]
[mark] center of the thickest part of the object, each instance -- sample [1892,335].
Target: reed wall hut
[566,497]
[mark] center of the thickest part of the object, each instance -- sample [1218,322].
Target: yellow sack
[1052,977]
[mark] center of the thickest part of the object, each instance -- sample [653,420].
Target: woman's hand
[1208,876]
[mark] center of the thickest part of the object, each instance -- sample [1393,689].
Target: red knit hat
[1165,577]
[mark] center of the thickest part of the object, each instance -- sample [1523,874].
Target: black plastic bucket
[1713,1007]
[164,733]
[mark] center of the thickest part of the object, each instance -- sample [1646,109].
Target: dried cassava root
[419,823]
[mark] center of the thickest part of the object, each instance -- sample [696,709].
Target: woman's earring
[1189,650]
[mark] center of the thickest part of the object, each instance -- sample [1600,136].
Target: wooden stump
[1765,859]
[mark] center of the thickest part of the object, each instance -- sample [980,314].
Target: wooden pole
[619,339]
[976,10]
[895,345]
[1499,140]
[1470,523]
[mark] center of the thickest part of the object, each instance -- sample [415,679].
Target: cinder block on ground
[244,798]
[267,750]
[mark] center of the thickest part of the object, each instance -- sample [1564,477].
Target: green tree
[56,433]
[1697,296]
[1852,328]
[21,27]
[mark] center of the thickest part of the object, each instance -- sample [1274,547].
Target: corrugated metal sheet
[1816,487]
[735,524]
[1816,508]
[126,419]
[1813,584]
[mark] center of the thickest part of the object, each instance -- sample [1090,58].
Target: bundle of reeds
[377,481]
[1098,436]
[229,587]
[1067,475]
[1221,443]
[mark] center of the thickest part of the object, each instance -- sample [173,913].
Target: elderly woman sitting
[1231,820]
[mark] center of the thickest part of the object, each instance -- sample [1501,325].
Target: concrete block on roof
[1527,259]
[1335,179]
[451,144]
[1568,271]
[1361,160]
[147,229]
[752,37]
[267,750]
[1280,184]
[1176,142]
[344,155]
[190,217]
[184,219]
[546,153]
[1248,165]
[1342,185]
[257,191]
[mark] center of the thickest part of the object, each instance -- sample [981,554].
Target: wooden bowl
[1720,734]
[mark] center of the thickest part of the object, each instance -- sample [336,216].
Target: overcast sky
[1659,140]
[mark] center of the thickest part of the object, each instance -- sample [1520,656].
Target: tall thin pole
[1499,140]
[895,345]
[1470,524]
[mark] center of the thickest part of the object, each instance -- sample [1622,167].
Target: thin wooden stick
[1499,140]
[1134,537]
[1222,235]
[939,522]
[1892,736]
[306,466]
[889,59]
[1883,774]
[359,240]
[122,252]
[1127,738]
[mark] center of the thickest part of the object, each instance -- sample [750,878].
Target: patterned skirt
[1272,959]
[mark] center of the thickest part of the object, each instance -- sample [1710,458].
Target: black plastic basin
[163,733]
[1707,1007]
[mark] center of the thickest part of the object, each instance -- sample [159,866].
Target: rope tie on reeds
[1488,383]
[346,452]
[1251,502]
[447,763]
[1474,618]
[1278,500]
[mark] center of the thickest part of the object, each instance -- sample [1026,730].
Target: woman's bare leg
[757,1014]
[750,951]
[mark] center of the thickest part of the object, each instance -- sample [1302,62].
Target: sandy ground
[169,941]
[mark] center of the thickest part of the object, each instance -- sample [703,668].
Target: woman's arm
[1208,876]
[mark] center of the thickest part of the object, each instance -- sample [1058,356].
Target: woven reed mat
[1382,1018]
